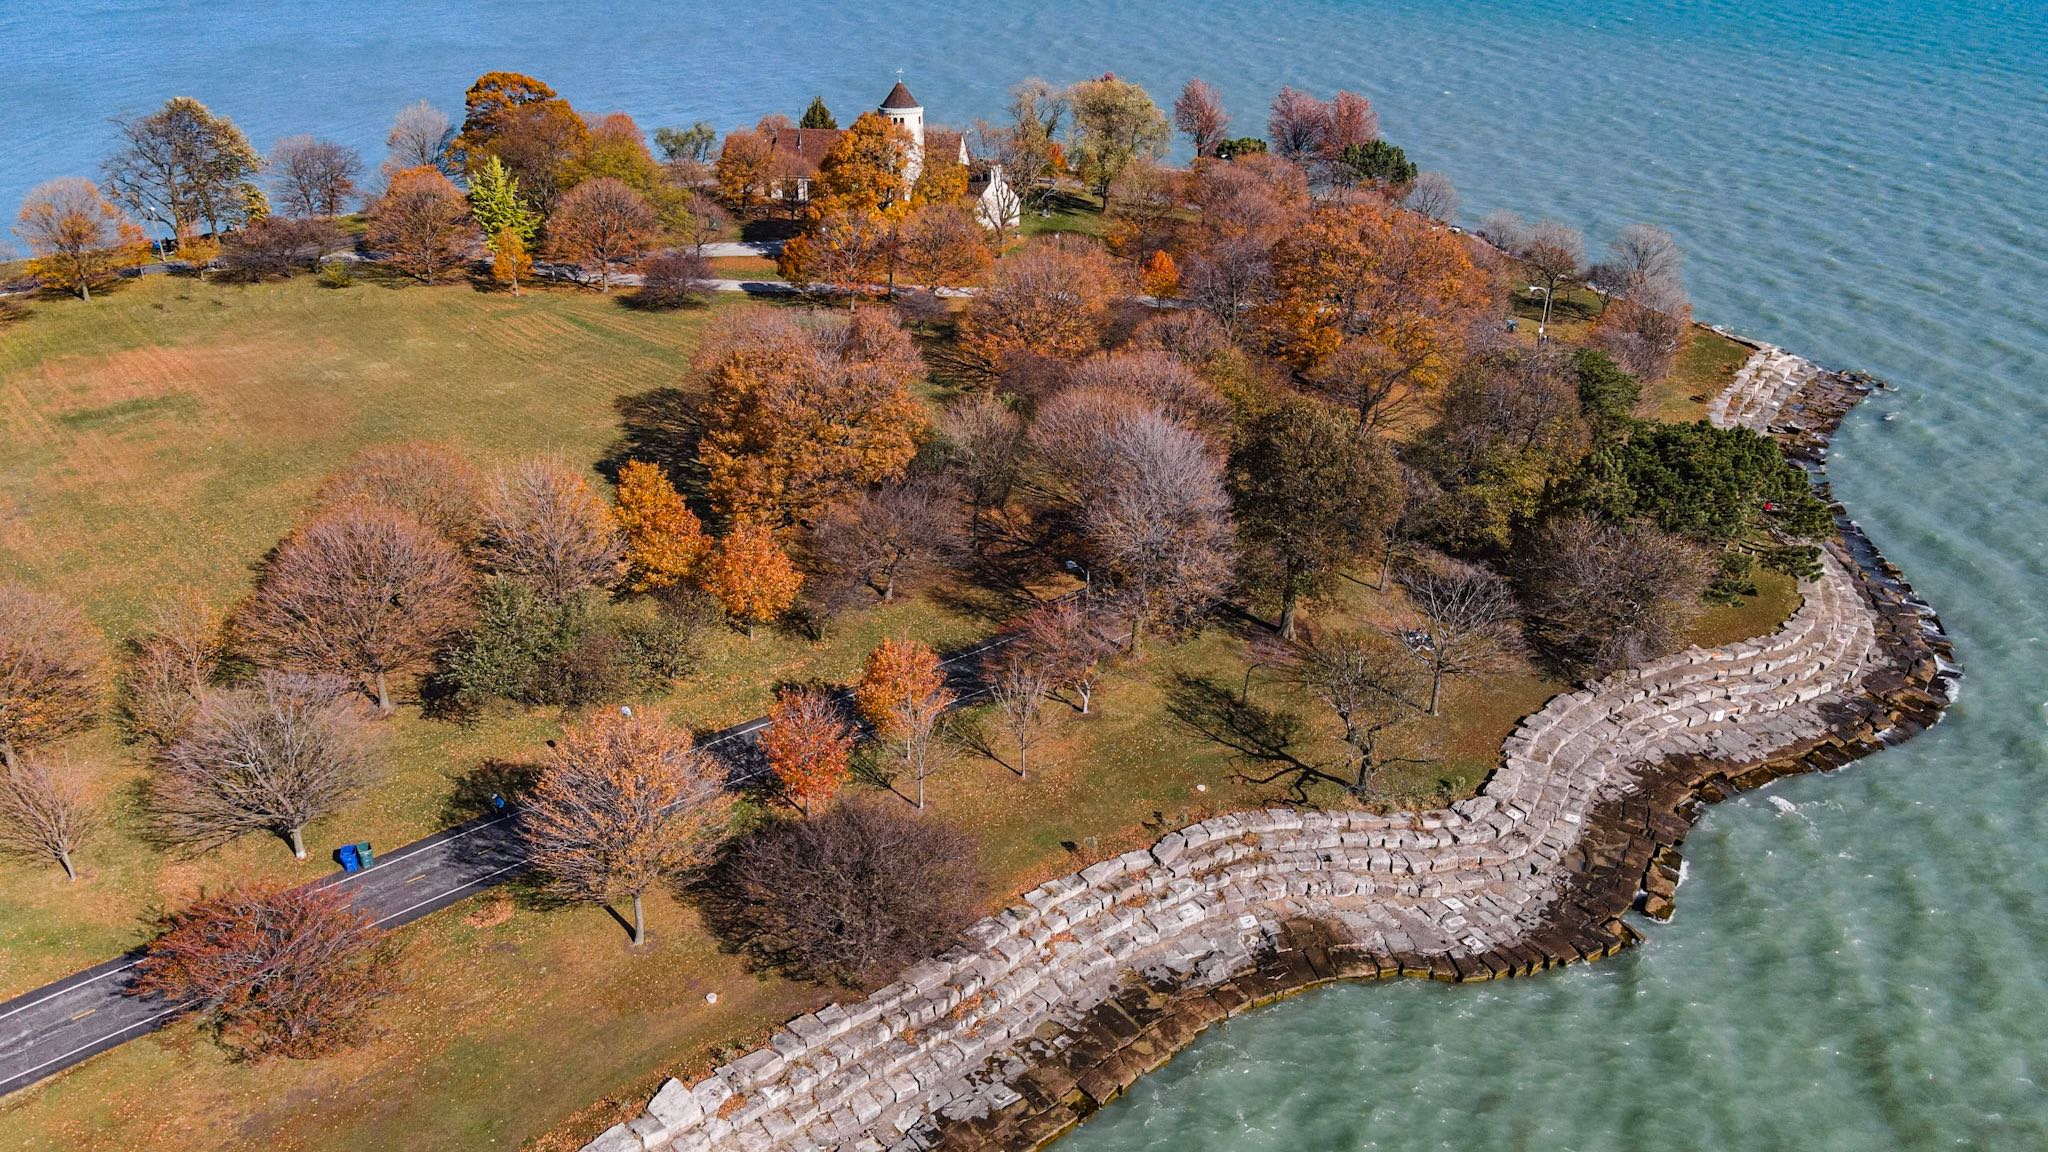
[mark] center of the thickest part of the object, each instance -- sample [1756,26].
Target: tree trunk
[383,695]
[639,924]
[298,840]
[7,756]
[1386,567]
[85,291]
[70,873]
[1436,686]
[1287,608]
[1086,690]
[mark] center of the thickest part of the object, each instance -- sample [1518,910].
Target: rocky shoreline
[1051,1009]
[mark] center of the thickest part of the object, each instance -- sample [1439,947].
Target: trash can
[363,854]
[350,861]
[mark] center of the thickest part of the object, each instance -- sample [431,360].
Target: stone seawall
[1048,1010]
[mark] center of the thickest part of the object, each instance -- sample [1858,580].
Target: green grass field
[169,433]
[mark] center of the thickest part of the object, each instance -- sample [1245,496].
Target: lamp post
[161,255]
[1087,578]
[1545,322]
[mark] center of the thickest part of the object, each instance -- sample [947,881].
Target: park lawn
[1067,210]
[744,268]
[1705,366]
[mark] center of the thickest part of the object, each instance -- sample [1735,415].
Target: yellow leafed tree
[664,540]
[752,576]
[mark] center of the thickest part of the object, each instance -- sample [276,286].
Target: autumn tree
[1312,493]
[617,150]
[360,590]
[180,654]
[844,251]
[673,278]
[807,743]
[941,178]
[421,224]
[1019,679]
[742,171]
[665,543]
[1554,254]
[851,896]
[271,757]
[275,970]
[1160,278]
[1071,644]
[751,576]
[50,672]
[545,526]
[984,445]
[432,483]
[1433,195]
[1055,299]
[1467,620]
[623,804]
[1115,123]
[601,222]
[1647,319]
[506,222]
[1198,113]
[313,177]
[1298,125]
[182,164]
[864,169]
[280,246]
[940,246]
[1156,376]
[1396,295]
[1027,147]
[1509,434]
[523,122]
[799,415]
[76,237]
[1371,686]
[419,138]
[46,811]
[1604,596]
[902,695]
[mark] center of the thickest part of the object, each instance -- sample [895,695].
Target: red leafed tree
[806,743]
[1298,126]
[278,971]
[1199,113]
[1072,643]
[421,224]
[602,223]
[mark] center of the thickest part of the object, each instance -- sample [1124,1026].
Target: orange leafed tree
[281,971]
[421,224]
[523,122]
[622,804]
[1161,277]
[78,238]
[1385,284]
[845,250]
[664,540]
[902,694]
[864,169]
[940,246]
[807,743]
[751,575]
[941,179]
[801,415]
[50,671]
[742,170]
[601,223]
[1054,299]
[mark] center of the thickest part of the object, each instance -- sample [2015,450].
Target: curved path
[1050,1008]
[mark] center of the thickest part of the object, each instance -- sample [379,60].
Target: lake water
[1862,182]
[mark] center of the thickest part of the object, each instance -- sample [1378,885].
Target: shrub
[673,279]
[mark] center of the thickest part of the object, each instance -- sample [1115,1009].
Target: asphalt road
[60,1024]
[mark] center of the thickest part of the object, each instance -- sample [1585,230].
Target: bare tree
[1072,644]
[50,672]
[45,811]
[1162,378]
[1555,252]
[984,443]
[623,804]
[271,757]
[852,895]
[1603,596]
[1199,113]
[1370,684]
[1468,619]
[1298,126]
[1019,678]
[673,279]
[1159,522]
[544,525]
[281,971]
[313,177]
[279,246]
[1433,195]
[419,138]
[433,483]
[1647,319]
[1504,229]
[897,534]
[601,222]
[1643,264]
[362,590]
[172,663]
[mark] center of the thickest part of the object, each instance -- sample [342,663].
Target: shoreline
[1052,1009]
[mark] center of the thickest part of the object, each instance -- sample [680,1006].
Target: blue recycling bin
[350,861]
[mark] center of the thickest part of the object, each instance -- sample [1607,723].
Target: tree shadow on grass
[1266,740]
[661,427]
[469,795]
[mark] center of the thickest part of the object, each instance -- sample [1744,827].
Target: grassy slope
[171,432]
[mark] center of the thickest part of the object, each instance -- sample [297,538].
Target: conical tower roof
[900,97]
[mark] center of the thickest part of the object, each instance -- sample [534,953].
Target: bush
[336,274]
[278,246]
[672,279]
[851,896]
[531,651]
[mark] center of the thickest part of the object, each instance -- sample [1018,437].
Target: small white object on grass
[711,997]
[1201,787]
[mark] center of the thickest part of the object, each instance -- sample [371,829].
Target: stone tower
[902,108]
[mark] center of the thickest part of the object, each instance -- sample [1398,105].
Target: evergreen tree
[507,223]
[817,115]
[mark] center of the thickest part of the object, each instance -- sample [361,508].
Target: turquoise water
[1861,182]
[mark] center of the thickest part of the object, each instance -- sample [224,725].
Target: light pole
[161,256]
[1087,578]
[1545,322]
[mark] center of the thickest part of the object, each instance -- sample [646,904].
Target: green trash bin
[363,854]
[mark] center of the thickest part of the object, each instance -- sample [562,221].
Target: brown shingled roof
[796,151]
[900,97]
